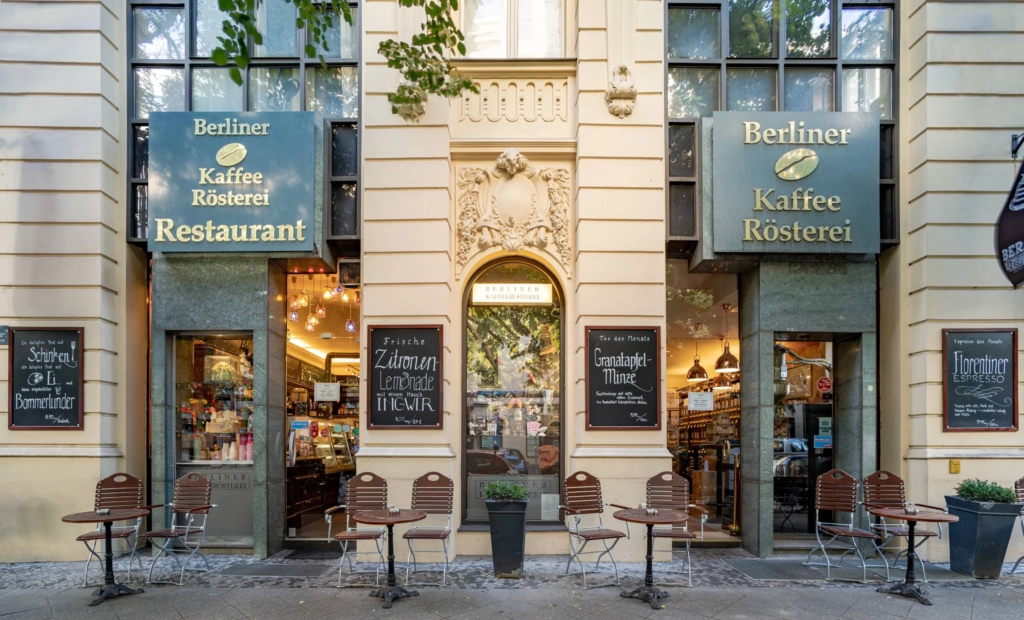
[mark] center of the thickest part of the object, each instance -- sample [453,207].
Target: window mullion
[512,29]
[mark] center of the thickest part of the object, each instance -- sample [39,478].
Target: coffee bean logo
[796,164]
[231,154]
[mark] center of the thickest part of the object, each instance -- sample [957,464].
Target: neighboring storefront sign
[622,383]
[526,294]
[45,378]
[796,182]
[824,385]
[232,493]
[979,380]
[231,182]
[326,392]
[404,389]
[1010,233]
[3,335]
[700,401]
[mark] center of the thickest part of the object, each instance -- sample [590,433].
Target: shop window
[213,91]
[513,411]
[514,28]
[750,90]
[703,383]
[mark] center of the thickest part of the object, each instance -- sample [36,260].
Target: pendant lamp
[727,362]
[696,373]
[721,382]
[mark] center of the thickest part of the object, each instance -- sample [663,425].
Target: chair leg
[163,551]
[134,555]
[444,572]
[1016,564]
[409,560]
[689,568]
[341,563]
[380,561]
[88,561]
[614,564]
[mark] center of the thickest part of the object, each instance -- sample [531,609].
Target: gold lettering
[223,233]
[200,126]
[819,203]
[204,176]
[239,233]
[197,198]
[750,228]
[814,136]
[769,136]
[257,178]
[847,239]
[299,227]
[184,233]
[843,133]
[833,201]
[198,233]
[163,226]
[810,233]
[285,228]
[268,233]
[782,203]
[822,231]
[831,136]
[835,234]
[753,134]
[762,199]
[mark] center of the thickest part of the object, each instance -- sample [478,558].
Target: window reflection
[276,21]
[159,90]
[750,90]
[540,29]
[751,28]
[274,89]
[486,28]
[213,91]
[207,27]
[333,92]
[867,34]
[159,34]
[868,90]
[809,28]
[810,90]
[692,92]
[693,33]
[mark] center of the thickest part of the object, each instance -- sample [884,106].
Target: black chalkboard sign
[406,365]
[44,378]
[623,373]
[979,380]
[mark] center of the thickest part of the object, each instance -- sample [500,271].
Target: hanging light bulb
[727,362]
[358,298]
[350,325]
[344,295]
[293,303]
[320,311]
[721,382]
[303,299]
[293,316]
[328,293]
[310,325]
[696,373]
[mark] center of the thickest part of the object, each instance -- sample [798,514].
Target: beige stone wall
[960,101]
[64,262]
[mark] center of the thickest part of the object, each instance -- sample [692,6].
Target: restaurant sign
[236,182]
[796,182]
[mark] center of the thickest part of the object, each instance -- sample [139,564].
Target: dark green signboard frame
[623,378]
[979,380]
[231,182]
[786,182]
[46,378]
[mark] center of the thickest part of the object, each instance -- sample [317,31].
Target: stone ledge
[924,454]
[51,451]
[621,452]
[403,452]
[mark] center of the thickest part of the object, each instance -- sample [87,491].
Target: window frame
[512,33]
[780,61]
[192,61]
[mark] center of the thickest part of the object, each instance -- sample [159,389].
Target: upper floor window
[514,28]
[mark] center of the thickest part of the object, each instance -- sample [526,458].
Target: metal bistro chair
[1018,488]
[434,494]
[884,489]
[116,492]
[836,491]
[581,495]
[364,492]
[191,500]
[670,491]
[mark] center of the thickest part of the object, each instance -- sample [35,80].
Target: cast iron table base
[908,587]
[110,587]
[392,591]
[648,592]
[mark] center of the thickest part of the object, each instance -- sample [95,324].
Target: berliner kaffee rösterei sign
[231,182]
[795,182]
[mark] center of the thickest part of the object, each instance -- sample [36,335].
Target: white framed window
[514,28]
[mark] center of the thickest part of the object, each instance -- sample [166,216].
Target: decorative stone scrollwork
[621,93]
[514,205]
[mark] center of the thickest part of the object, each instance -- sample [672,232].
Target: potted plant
[506,507]
[977,543]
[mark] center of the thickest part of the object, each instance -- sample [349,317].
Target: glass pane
[680,150]
[276,20]
[692,92]
[867,34]
[693,33]
[810,90]
[140,211]
[274,89]
[213,91]
[751,28]
[485,25]
[513,394]
[333,92]
[540,29]
[887,170]
[809,28]
[342,38]
[682,217]
[343,209]
[868,90]
[888,215]
[344,155]
[750,90]
[140,153]
[160,34]
[207,27]
[159,90]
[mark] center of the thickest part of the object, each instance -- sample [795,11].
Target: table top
[118,514]
[926,516]
[639,515]
[383,517]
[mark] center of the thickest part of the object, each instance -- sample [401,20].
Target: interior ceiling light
[721,382]
[696,373]
[727,362]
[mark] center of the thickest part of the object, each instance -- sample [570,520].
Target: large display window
[513,388]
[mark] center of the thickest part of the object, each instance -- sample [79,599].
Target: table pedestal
[648,592]
[908,587]
[393,590]
[110,586]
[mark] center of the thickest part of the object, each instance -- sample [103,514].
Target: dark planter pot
[977,543]
[508,537]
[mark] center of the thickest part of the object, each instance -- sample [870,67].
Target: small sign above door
[524,294]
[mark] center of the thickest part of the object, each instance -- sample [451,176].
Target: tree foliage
[423,63]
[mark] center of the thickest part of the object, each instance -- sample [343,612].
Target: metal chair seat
[847,532]
[601,534]
[116,532]
[675,532]
[172,532]
[427,534]
[902,531]
[359,535]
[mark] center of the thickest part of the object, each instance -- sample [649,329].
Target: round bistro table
[110,586]
[383,517]
[648,592]
[908,587]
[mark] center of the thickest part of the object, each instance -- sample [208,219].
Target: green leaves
[502,490]
[977,490]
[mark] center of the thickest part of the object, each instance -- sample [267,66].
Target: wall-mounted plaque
[405,374]
[45,378]
[623,372]
[979,380]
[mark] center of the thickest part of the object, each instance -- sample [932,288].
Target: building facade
[717,238]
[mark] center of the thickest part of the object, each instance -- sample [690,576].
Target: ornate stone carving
[514,205]
[621,93]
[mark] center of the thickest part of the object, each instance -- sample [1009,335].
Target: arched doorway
[512,373]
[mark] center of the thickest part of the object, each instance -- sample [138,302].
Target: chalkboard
[44,375]
[979,380]
[406,364]
[623,373]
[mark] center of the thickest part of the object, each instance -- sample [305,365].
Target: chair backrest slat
[581,494]
[192,491]
[119,491]
[1018,489]
[364,492]
[668,490]
[885,489]
[433,493]
[836,491]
